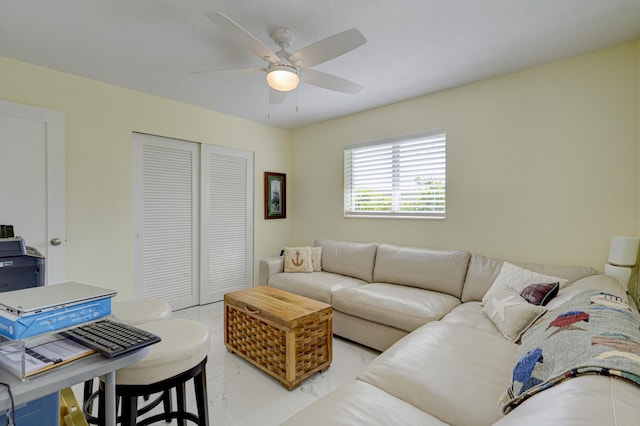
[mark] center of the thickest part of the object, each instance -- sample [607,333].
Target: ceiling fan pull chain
[297,97]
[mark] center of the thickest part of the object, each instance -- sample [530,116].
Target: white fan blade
[243,37]
[276,97]
[328,81]
[327,48]
[211,73]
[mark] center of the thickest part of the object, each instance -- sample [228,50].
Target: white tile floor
[241,394]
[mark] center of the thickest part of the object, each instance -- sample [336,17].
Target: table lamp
[623,258]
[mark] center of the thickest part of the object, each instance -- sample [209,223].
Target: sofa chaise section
[450,372]
[359,403]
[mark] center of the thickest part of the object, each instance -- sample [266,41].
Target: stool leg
[129,410]
[180,391]
[166,401]
[202,401]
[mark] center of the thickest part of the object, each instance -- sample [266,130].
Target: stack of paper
[40,354]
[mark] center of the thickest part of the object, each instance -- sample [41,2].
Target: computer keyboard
[111,338]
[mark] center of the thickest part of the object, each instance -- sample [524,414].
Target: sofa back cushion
[484,270]
[436,270]
[351,259]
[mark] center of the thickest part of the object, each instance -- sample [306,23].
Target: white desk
[68,375]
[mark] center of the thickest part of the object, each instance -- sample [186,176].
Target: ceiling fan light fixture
[282,77]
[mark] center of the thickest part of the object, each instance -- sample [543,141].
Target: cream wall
[99,121]
[542,165]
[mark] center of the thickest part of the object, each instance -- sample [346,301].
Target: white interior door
[166,218]
[226,220]
[32,170]
[193,220]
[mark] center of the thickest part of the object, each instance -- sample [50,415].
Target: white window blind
[399,177]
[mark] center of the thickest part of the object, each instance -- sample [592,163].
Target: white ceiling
[414,47]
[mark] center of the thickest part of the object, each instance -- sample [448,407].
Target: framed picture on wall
[275,195]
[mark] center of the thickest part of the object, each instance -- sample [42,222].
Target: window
[399,177]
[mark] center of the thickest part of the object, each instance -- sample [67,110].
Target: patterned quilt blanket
[593,333]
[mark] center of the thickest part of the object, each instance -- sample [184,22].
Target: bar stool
[170,364]
[139,311]
[132,312]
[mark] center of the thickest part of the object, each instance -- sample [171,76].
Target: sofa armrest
[269,267]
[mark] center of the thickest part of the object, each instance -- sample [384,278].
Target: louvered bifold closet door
[226,222]
[166,208]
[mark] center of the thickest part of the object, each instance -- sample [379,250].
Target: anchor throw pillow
[298,259]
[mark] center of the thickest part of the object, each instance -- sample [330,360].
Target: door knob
[56,241]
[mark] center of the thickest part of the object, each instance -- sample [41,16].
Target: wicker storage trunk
[286,335]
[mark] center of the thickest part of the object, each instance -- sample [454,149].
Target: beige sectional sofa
[445,360]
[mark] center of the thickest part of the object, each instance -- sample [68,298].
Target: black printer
[20,266]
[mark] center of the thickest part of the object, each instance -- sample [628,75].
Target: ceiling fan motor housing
[283,37]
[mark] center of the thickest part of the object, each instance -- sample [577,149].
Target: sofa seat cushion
[469,314]
[406,308]
[315,285]
[437,270]
[359,403]
[449,371]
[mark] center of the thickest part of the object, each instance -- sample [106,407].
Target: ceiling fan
[284,70]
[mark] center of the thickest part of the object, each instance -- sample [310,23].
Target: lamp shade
[282,77]
[623,251]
